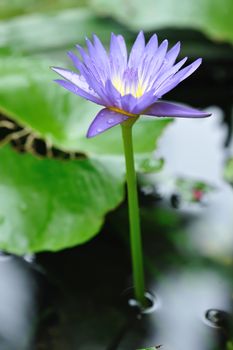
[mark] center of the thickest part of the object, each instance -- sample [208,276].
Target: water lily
[128,85]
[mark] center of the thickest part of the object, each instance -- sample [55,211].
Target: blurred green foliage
[213,17]
[52,31]
[19,7]
[228,170]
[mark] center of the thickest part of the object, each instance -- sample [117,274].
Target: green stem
[134,219]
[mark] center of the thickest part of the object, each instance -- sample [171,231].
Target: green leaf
[213,17]
[29,96]
[52,204]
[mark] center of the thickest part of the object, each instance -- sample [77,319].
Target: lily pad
[52,204]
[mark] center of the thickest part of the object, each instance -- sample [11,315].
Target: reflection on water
[195,296]
[194,148]
[218,318]
[17,304]
[211,234]
[187,296]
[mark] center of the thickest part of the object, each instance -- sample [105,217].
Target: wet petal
[77,91]
[88,82]
[105,120]
[169,109]
[72,77]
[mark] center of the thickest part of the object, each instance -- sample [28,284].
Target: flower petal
[113,94]
[187,71]
[152,45]
[105,120]
[172,54]
[169,109]
[117,60]
[178,77]
[100,49]
[162,77]
[153,66]
[94,71]
[128,102]
[71,76]
[144,102]
[160,55]
[88,81]
[123,49]
[77,91]
[75,60]
[93,89]
[137,51]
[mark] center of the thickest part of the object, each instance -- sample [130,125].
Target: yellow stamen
[118,110]
[137,91]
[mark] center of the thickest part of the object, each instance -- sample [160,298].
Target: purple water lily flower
[128,86]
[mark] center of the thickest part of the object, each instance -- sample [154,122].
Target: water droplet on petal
[72,76]
[110,121]
[98,129]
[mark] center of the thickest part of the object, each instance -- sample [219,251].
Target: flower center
[129,83]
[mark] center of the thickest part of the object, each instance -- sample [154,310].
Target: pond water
[79,298]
